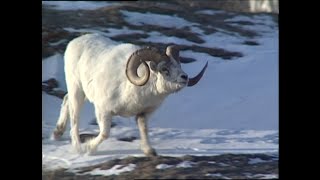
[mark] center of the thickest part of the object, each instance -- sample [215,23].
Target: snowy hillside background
[233,109]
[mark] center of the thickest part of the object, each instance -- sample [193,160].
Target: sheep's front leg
[104,120]
[142,121]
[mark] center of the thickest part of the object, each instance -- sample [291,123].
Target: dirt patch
[128,139]
[50,87]
[250,43]
[129,37]
[216,52]
[235,166]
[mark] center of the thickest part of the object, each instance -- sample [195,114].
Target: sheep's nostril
[185,77]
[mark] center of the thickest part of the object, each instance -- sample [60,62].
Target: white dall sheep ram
[109,75]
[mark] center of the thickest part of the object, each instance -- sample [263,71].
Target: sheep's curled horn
[140,57]
[147,54]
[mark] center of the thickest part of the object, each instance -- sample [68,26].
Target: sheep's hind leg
[142,121]
[76,100]
[104,120]
[63,119]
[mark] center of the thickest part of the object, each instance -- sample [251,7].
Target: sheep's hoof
[78,150]
[151,152]
[90,148]
[56,135]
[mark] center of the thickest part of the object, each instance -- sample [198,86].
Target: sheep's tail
[63,118]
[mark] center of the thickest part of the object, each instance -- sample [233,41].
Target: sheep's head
[166,66]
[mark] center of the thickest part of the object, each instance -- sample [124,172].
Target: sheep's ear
[153,66]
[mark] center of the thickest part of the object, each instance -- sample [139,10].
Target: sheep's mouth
[182,82]
[180,85]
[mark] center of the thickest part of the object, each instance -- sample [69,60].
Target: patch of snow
[185,164]
[241,18]
[85,30]
[104,31]
[197,149]
[169,21]
[196,29]
[50,117]
[225,41]
[213,174]
[256,161]
[159,37]
[124,30]
[261,23]
[210,12]
[265,176]
[115,170]
[223,164]
[163,166]
[53,67]
[224,177]
[256,19]
[76,5]
[58,42]
[247,174]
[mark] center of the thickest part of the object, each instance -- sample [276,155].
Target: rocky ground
[55,38]
[226,166]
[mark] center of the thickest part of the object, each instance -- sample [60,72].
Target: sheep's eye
[165,70]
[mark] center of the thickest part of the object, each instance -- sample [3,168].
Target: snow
[233,109]
[256,160]
[239,94]
[76,5]
[167,141]
[58,42]
[163,166]
[53,67]
[217,175]
[223,164]
[158,37]
[210,12]
[148,18]
[214,174]
[241,18]
[256,19]
[185,164]
[104,31]
[262,23]
[115,170]
[264,176]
